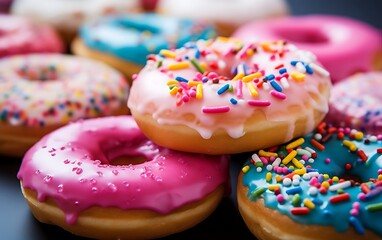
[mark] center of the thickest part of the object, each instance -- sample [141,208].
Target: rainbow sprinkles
[215,81]
[246,77]
[306,179]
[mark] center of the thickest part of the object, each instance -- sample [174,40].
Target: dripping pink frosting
[343,45]
[72,166]
[20,36]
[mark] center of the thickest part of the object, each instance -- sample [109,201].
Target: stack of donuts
[128,116]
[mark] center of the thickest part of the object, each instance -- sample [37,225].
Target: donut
[326,185]
[69,179]
[223,96]
[356,102]
[226,15]
[330,38]
[41,92]
[67,16]
[124,41]
[20,36]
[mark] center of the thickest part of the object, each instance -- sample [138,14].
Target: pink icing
[344,46]
[71,166]
[150,92]
[20,36]
[357,102]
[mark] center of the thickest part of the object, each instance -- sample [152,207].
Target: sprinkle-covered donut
[226,15]
[326,185]
[330,38]
[40,92]
[69,179]
[21,36]
[67,15]
[225,96]
[124,41]
[357,102]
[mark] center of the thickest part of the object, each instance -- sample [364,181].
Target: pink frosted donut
[344,46]
[69,179]
[20,36]
[356,102]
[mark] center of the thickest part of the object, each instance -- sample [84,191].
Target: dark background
[16,221]
[369,11]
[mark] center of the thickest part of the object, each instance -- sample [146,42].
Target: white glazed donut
[226,14]
[66,15]
[225,96]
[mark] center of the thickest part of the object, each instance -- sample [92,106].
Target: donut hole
[118,152]
[127,160]
[38,73]
[312,36]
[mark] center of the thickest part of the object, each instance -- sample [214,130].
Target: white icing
[150,95]
[229,11]
[70,14]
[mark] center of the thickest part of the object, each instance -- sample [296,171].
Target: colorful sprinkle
[376,207]
[277,94]
[297,76]
[221,109]
[258,192]
[178,66]
[357,225]
[167,53]
[197,66]
[340,198]
[299,210]
[259,103]
[295,144]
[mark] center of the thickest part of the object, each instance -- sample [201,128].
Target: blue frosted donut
[326,185]
[131,38]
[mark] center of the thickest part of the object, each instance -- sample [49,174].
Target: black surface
[17,222]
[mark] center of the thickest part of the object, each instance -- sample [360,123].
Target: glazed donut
[124,41]
[67,16]
[40,92]
[326,185]
[69,179]
[226,15]
[225,96]
[21,36]
[357,102]
[330,38]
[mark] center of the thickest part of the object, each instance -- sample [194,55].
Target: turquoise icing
[132,37]
[325,212]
